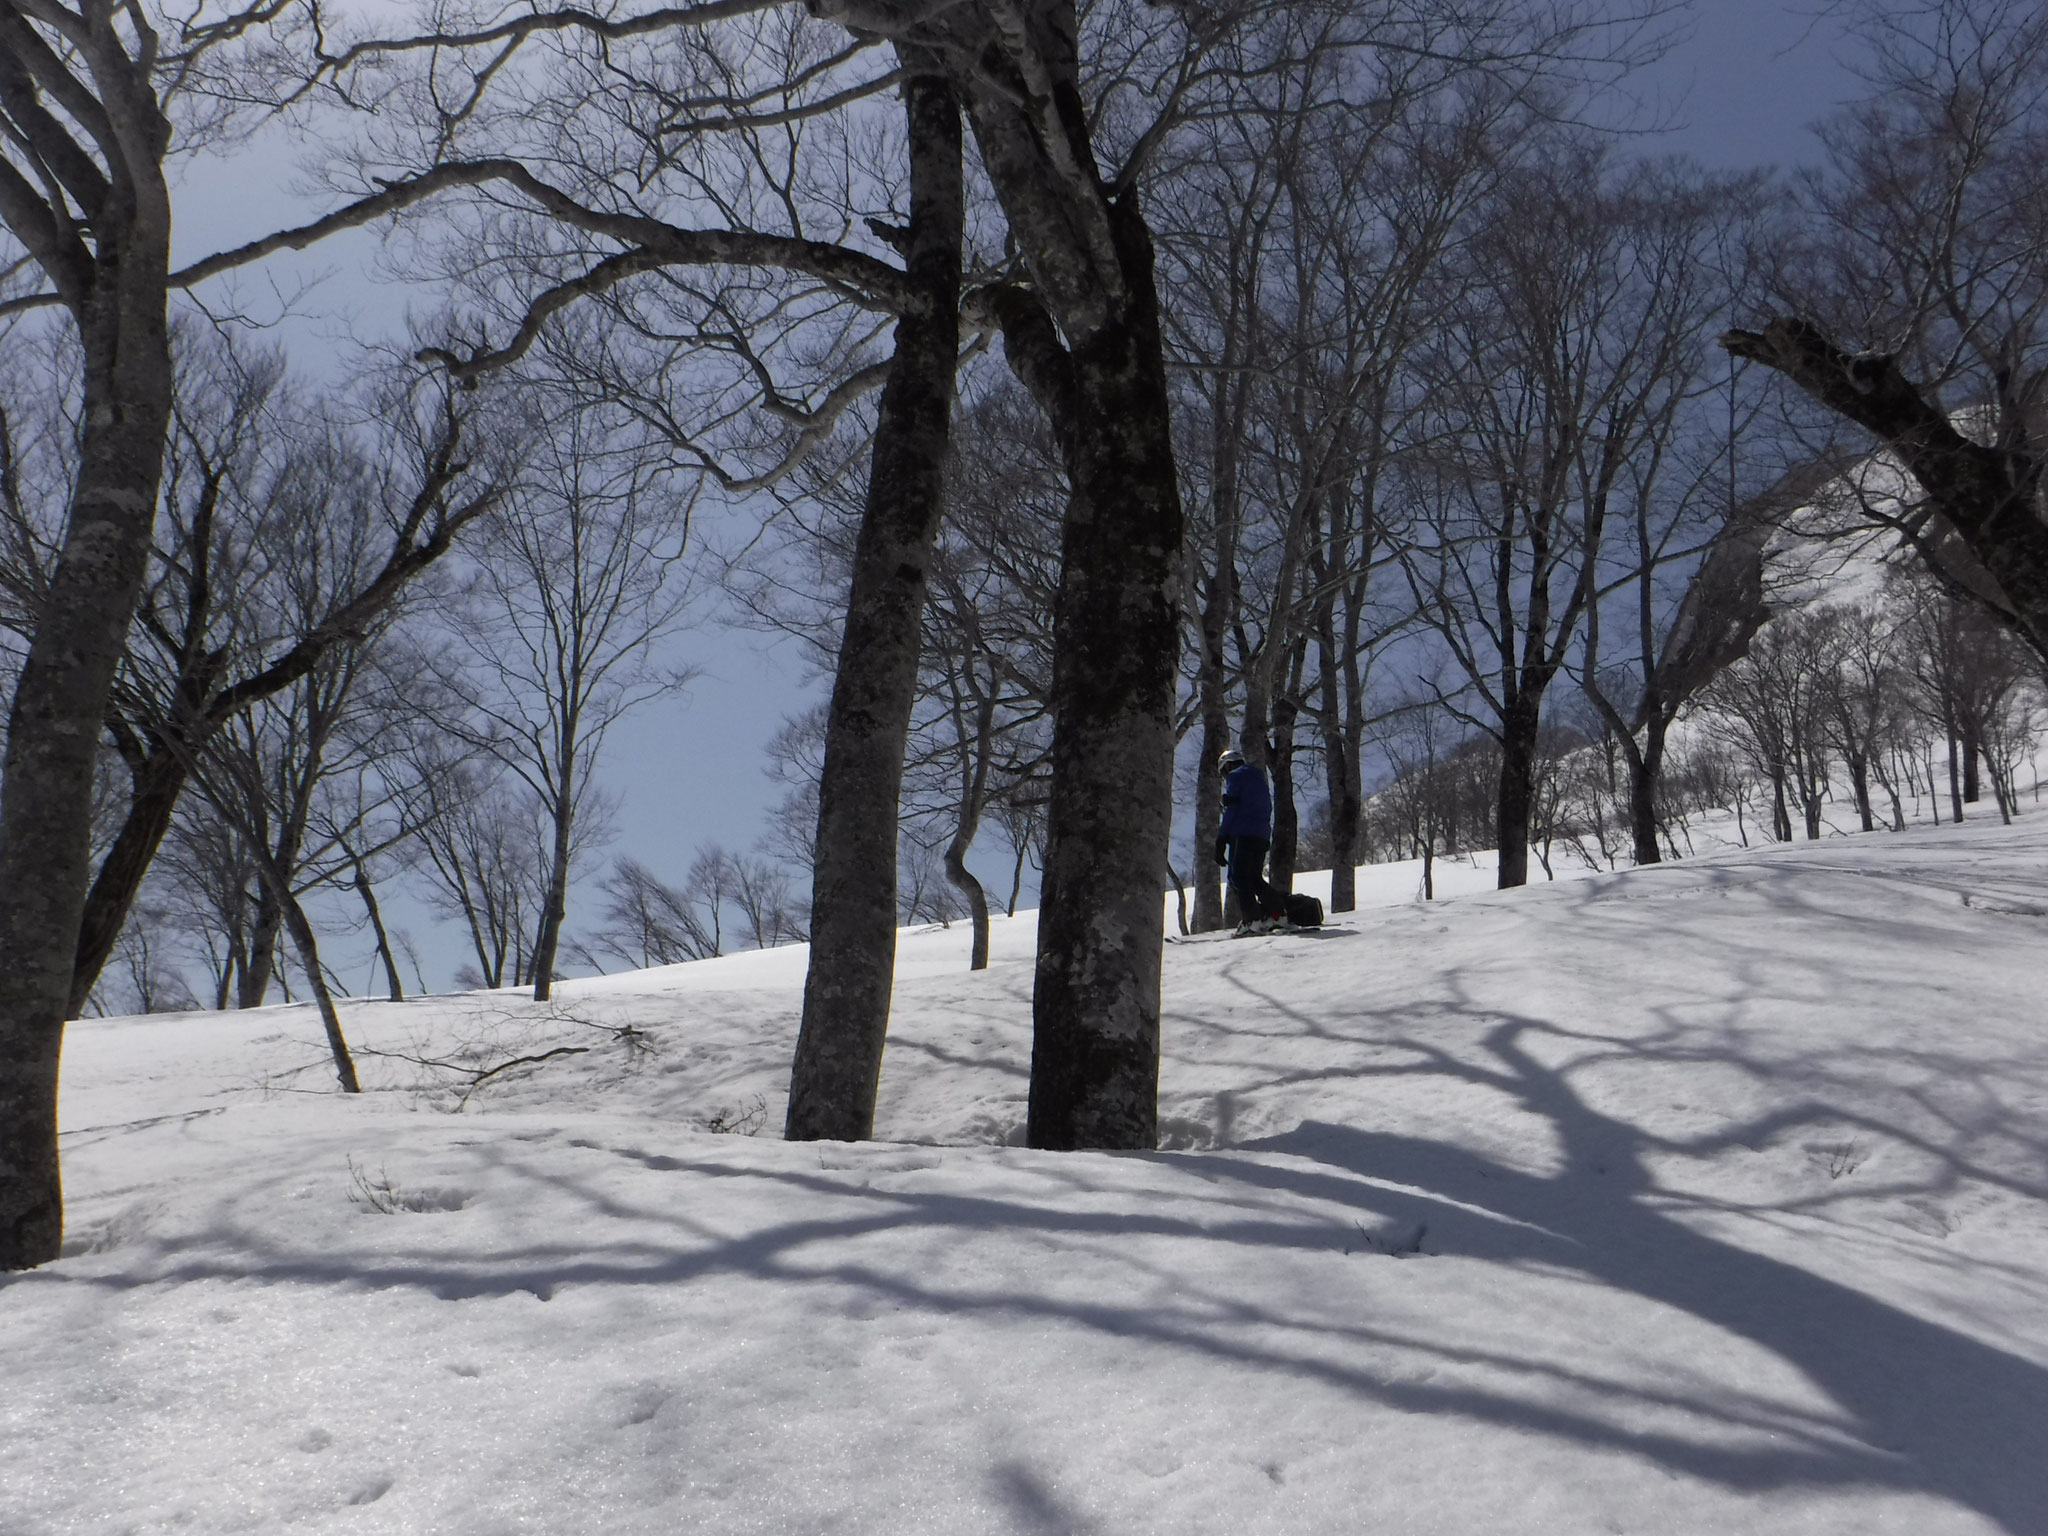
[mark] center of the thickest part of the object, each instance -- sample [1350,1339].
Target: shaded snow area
[1704,1198]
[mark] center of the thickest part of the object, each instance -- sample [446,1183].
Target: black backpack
[1304,911]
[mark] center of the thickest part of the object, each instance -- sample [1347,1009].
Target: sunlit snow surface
[1707,1198]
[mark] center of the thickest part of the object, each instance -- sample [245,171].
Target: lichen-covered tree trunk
[853,880]
[1095,1003]
[54,725]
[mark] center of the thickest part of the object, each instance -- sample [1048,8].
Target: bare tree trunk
[1219,609]
[853,885]
[977,899]
[1023,853]
[554,909]
[1343,719]
[1859,778]
[1095,1003]
[1988,492]
[255,982]
[369,895]
[1209,803]
[1286,812]
[1517,787]
[1645,766]
[157,785]
[973,793]
[59,703]
[309,961]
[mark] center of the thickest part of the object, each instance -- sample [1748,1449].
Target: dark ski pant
[1247,876]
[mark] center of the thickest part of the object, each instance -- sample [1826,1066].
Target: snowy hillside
[1705,1198]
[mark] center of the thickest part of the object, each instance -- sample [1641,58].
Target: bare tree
[1774,703]
[648,923]
[1914,300]
[1565,370]
[90,94]
[484,850]
[580,579]
[988,637]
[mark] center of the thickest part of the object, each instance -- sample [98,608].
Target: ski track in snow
[1711,1197]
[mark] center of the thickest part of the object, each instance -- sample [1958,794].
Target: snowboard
[1223,934]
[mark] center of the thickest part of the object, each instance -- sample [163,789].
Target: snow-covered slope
[1705,1198]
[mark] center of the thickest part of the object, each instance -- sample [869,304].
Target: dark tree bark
[853,884]
[1645,769]
[1286,810]
[1213,683]
[979,744]
[1989,493]
[115,292]
[254,985]
[157,782]
[368,892]
[554,906]
[161,737]
[308,947]
[1515,795]
[1095,1003]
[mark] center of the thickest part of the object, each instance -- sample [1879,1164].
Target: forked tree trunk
[1645,767]
[1095,1001]
[838,1063]
[60,701]
[157,786]
[254,984]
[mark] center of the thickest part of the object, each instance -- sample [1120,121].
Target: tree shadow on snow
[1912,1405]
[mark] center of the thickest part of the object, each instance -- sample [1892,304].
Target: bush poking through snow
[745,1121]
[1391,1246]
[383,1195]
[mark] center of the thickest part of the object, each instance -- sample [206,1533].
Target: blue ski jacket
[1247,804]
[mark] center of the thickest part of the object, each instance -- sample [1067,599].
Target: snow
[1710,1197]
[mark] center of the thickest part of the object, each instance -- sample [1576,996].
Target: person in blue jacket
[1242,841]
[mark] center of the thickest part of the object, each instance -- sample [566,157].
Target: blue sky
[1739,88]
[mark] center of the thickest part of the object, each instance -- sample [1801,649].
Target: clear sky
[1748,78]
[1739,88]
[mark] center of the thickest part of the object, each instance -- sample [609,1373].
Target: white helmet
[1229,758]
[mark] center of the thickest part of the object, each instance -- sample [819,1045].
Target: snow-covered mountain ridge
[1700,1198]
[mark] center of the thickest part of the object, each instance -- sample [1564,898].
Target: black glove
[1222,850]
